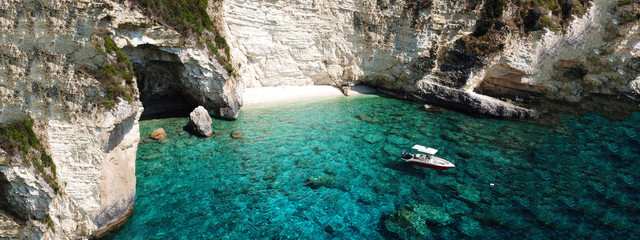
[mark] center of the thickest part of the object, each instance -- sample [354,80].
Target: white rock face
[46,49]
[43,44]
[96,161]
[540,62]
[382,44]
[331,42]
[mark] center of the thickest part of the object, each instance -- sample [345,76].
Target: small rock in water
[200,122]
[430,108]
[373,138]
[237,134]
[159,134]
[363,117]
[316,182]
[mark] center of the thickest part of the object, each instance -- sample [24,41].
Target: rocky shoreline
[463,101]
[84,70]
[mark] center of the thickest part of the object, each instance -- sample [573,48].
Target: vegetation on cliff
[190,18]
[529,17]
[19,138]
[115,74]
[627,11]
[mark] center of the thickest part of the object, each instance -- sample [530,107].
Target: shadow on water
[407,168]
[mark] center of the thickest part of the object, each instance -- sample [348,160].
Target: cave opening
[159,80]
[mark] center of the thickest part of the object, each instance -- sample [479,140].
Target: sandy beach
[254,96]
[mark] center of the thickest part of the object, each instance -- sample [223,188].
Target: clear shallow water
[331,169]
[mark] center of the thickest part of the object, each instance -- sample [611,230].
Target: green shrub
[578,11]
[623,2]
[19,135]
[46,159]
[49,222]
[551,4]
[185,16]
[229,68]
[482,28]
[110,104]
[548,22]
[220,41]
[108,71]
[53,171]
[112,74]
[19,138]
[212,48]
[190,17]
[494,9]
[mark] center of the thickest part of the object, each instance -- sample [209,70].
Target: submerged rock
[200,122]
[373,138]
[468,193]
[469,227]
[159,134]
[407,224]
[237,134]
[433,214]
[363,117]
[413,221]
[316,182]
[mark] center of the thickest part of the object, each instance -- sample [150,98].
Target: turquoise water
[330,169]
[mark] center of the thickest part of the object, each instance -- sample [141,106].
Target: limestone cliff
[45,45]
[452,53]
[60,68]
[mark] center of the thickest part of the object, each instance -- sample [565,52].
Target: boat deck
[432,160]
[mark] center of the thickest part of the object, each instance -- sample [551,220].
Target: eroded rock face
[173,73]
[45,54]
[200,122]
[412,48]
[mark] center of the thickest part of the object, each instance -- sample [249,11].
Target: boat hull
[428,164]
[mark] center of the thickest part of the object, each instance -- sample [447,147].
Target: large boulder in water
[200,122]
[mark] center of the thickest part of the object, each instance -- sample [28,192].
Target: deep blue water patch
[331,169]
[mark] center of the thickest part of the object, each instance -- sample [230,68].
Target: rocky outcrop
[464,101]
[173,73]
[200,122]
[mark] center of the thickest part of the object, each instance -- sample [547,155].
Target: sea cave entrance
[159,76]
